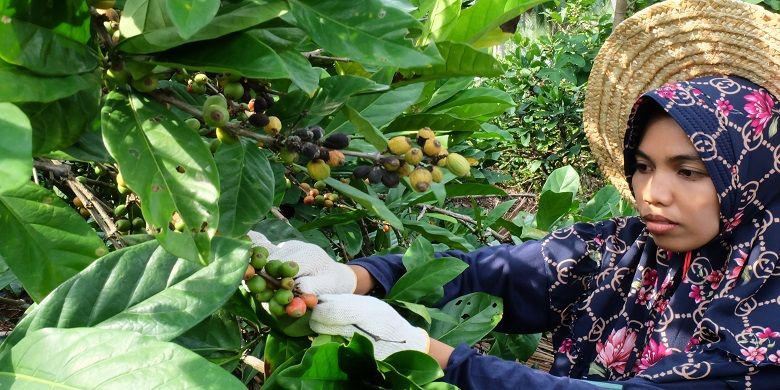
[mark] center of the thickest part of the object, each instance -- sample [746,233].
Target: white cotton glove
[345,314]
[318,274]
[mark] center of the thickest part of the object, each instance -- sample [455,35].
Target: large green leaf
[476,103]
[552,206]
[370,203]
[515,346]
[230,18]
[44,241]
[367,31]
[88,358]
[142,288]
[443,123]
[477,314]
[485,16]
[21,85]
[563,179]
[440,20]
[140,16]
[43,51]
[69,18]
[279,349]
[190,16]
[318,369]
[168,166]
[16,148]
[335,91]
[370,133]
[460,59]
[420,252]
[449,88]
[377,108]
[439,234]
[417,366]
[246,187]
[425,281]
[217,338]
[74,115]
[602,204]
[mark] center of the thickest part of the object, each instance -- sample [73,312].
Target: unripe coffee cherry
[216,115]
[399,145]
[283,297]
[123,225]
[421,179]
[225,136]
[296,308]
[84,212]
[234,90]
[458,165]
[139,223]
[413,156]
[272,267]
[200,78]
[289,269]
[390,163]
[213,100]
[146,84]
[119,211]
[276,308]
[436,174]
[264,296]
[318,169]
[256,284]
[287,283]
[192,124]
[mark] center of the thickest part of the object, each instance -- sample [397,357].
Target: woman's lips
[658,225]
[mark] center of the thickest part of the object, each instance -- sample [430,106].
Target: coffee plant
[145,138]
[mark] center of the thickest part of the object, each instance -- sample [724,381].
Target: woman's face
[674,194]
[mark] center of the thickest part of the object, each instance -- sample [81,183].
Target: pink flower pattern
[740,261]
[697,293]
[754,354]
[653,352]
[566,345]
[615,351]
[714,279]
[694,341]
[768,333]
[668,90]
[724,106]
[759,109]
[734,222]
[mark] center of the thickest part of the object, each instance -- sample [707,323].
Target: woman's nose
[657,191]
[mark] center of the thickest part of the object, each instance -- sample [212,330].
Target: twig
[254,362]
[463,218]
[317,56]
[97,24]
[35,175]
[98,211]
[57,169]
[278,214]
[275,284]
[377,338]
[14,302]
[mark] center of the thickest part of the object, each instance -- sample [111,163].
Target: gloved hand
[318,273]
[345,314]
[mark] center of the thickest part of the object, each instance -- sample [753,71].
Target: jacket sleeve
[469,370]
[522,275]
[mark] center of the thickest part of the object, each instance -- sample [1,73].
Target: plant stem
[275,284]
[463,218]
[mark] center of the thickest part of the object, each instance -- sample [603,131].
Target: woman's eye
[642,167]
[689,173]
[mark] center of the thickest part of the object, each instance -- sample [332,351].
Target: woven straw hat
[673,41]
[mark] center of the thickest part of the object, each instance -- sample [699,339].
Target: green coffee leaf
[477,314]
[16,148]
[88,358]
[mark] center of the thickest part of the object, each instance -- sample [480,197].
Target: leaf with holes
[168,166]
[477,314]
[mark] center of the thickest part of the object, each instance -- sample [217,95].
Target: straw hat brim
[673,41]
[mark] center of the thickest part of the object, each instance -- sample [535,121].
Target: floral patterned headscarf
[721,319]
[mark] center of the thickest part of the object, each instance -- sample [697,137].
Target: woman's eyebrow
[681,158]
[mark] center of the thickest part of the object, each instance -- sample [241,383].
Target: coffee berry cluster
[421,161]
[317,195]
[272,281]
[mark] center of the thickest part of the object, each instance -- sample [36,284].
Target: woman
[686,291]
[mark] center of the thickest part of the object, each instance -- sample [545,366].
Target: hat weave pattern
[673,41]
